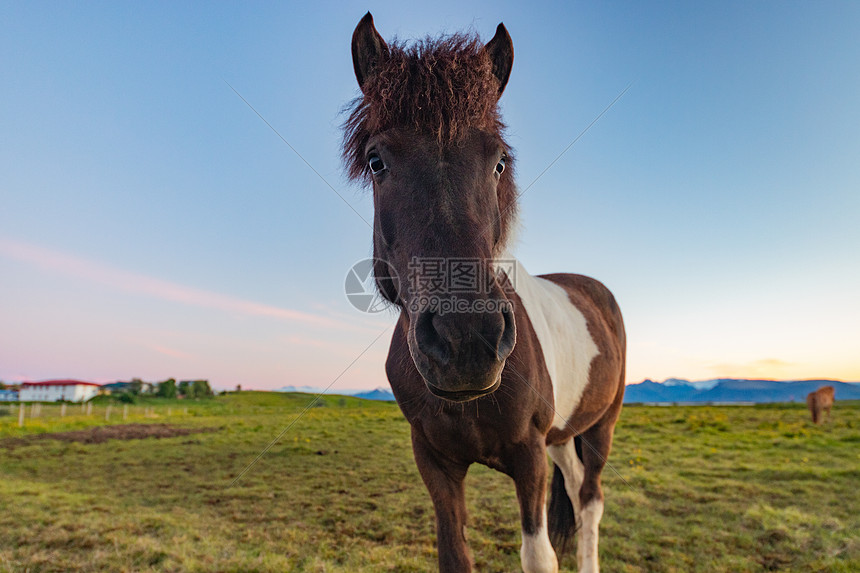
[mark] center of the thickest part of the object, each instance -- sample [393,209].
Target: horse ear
[368,48]
[501,52]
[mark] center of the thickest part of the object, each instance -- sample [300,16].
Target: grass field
[693,489]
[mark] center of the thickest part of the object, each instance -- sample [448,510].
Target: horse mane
[442,86]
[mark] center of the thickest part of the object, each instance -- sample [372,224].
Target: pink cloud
[135,283]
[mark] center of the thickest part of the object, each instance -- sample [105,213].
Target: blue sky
[152,225]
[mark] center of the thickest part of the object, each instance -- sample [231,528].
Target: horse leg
[528,469]
[596,443]
[570,462]
[565,457]
[445,482]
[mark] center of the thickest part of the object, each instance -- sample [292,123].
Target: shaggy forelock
[441,86]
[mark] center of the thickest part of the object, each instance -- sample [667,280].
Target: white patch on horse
[562,331]
[586,551]
[537,554]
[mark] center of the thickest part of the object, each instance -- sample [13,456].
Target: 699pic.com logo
[360,286]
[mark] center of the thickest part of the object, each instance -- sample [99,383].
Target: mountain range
[734,390]
[675,390]
[382,394]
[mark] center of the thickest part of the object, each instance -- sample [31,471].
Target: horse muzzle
[463,395]
[461,355]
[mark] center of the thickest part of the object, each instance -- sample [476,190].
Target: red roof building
[57,390]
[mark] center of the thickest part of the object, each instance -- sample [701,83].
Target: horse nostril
[509,334]
[430,342]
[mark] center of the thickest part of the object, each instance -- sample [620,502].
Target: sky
[172,202]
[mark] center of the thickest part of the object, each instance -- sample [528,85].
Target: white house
[55,390]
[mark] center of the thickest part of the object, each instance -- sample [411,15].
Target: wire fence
[21,414]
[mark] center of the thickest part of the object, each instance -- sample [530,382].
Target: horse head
[427,136]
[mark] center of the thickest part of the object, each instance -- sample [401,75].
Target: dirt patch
[101,434]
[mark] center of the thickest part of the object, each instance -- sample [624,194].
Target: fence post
[89,408]
[107,413]
[125,412]
[63,410]
[169,411]
[21,416]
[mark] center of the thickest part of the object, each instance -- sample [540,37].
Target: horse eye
[500,166]
[376,164]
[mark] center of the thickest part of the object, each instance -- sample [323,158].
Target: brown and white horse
[820,401]
[488,364]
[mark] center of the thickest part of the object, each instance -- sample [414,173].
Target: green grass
[690,489]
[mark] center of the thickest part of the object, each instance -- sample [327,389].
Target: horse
[488,363]
[820,401]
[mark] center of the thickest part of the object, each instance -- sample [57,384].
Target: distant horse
[820,401]
[489,364]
